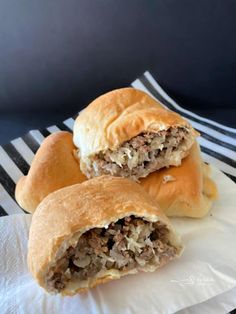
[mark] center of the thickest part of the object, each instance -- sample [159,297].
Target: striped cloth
[218,145]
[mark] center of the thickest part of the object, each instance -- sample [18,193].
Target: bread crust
[64,215]
[118,116]
[190,194]
[54,166]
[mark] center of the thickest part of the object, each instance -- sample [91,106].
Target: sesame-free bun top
[53,167]
[118,116]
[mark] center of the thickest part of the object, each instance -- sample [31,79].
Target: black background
[56,56]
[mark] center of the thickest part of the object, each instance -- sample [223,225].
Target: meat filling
[129,243]
[143,154]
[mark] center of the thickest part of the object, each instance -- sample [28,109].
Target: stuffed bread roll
[54,167]
[184,191]
[96,231]
[127,133]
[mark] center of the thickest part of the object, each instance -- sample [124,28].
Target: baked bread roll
[102,229]
[54,167]
[184,191]
[127,133]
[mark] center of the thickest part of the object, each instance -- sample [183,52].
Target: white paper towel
[206,269]
[221,304]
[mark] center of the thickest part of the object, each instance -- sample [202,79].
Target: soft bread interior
[100,254]
[142,155]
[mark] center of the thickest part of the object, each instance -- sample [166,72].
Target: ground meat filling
[130,242]
[143,154]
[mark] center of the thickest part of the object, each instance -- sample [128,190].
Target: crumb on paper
[168,178]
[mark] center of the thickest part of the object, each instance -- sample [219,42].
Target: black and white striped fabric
[218,145]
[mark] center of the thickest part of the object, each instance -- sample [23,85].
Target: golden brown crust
[209,186]
[118,116]
[71,211]
[190,194]
[54,166]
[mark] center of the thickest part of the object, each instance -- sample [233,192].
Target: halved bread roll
[54,167]
[97,231]
[127,133]
[184,191]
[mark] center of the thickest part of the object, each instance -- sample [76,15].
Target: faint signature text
[194,280]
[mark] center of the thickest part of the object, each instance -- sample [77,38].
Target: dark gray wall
[62,54]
